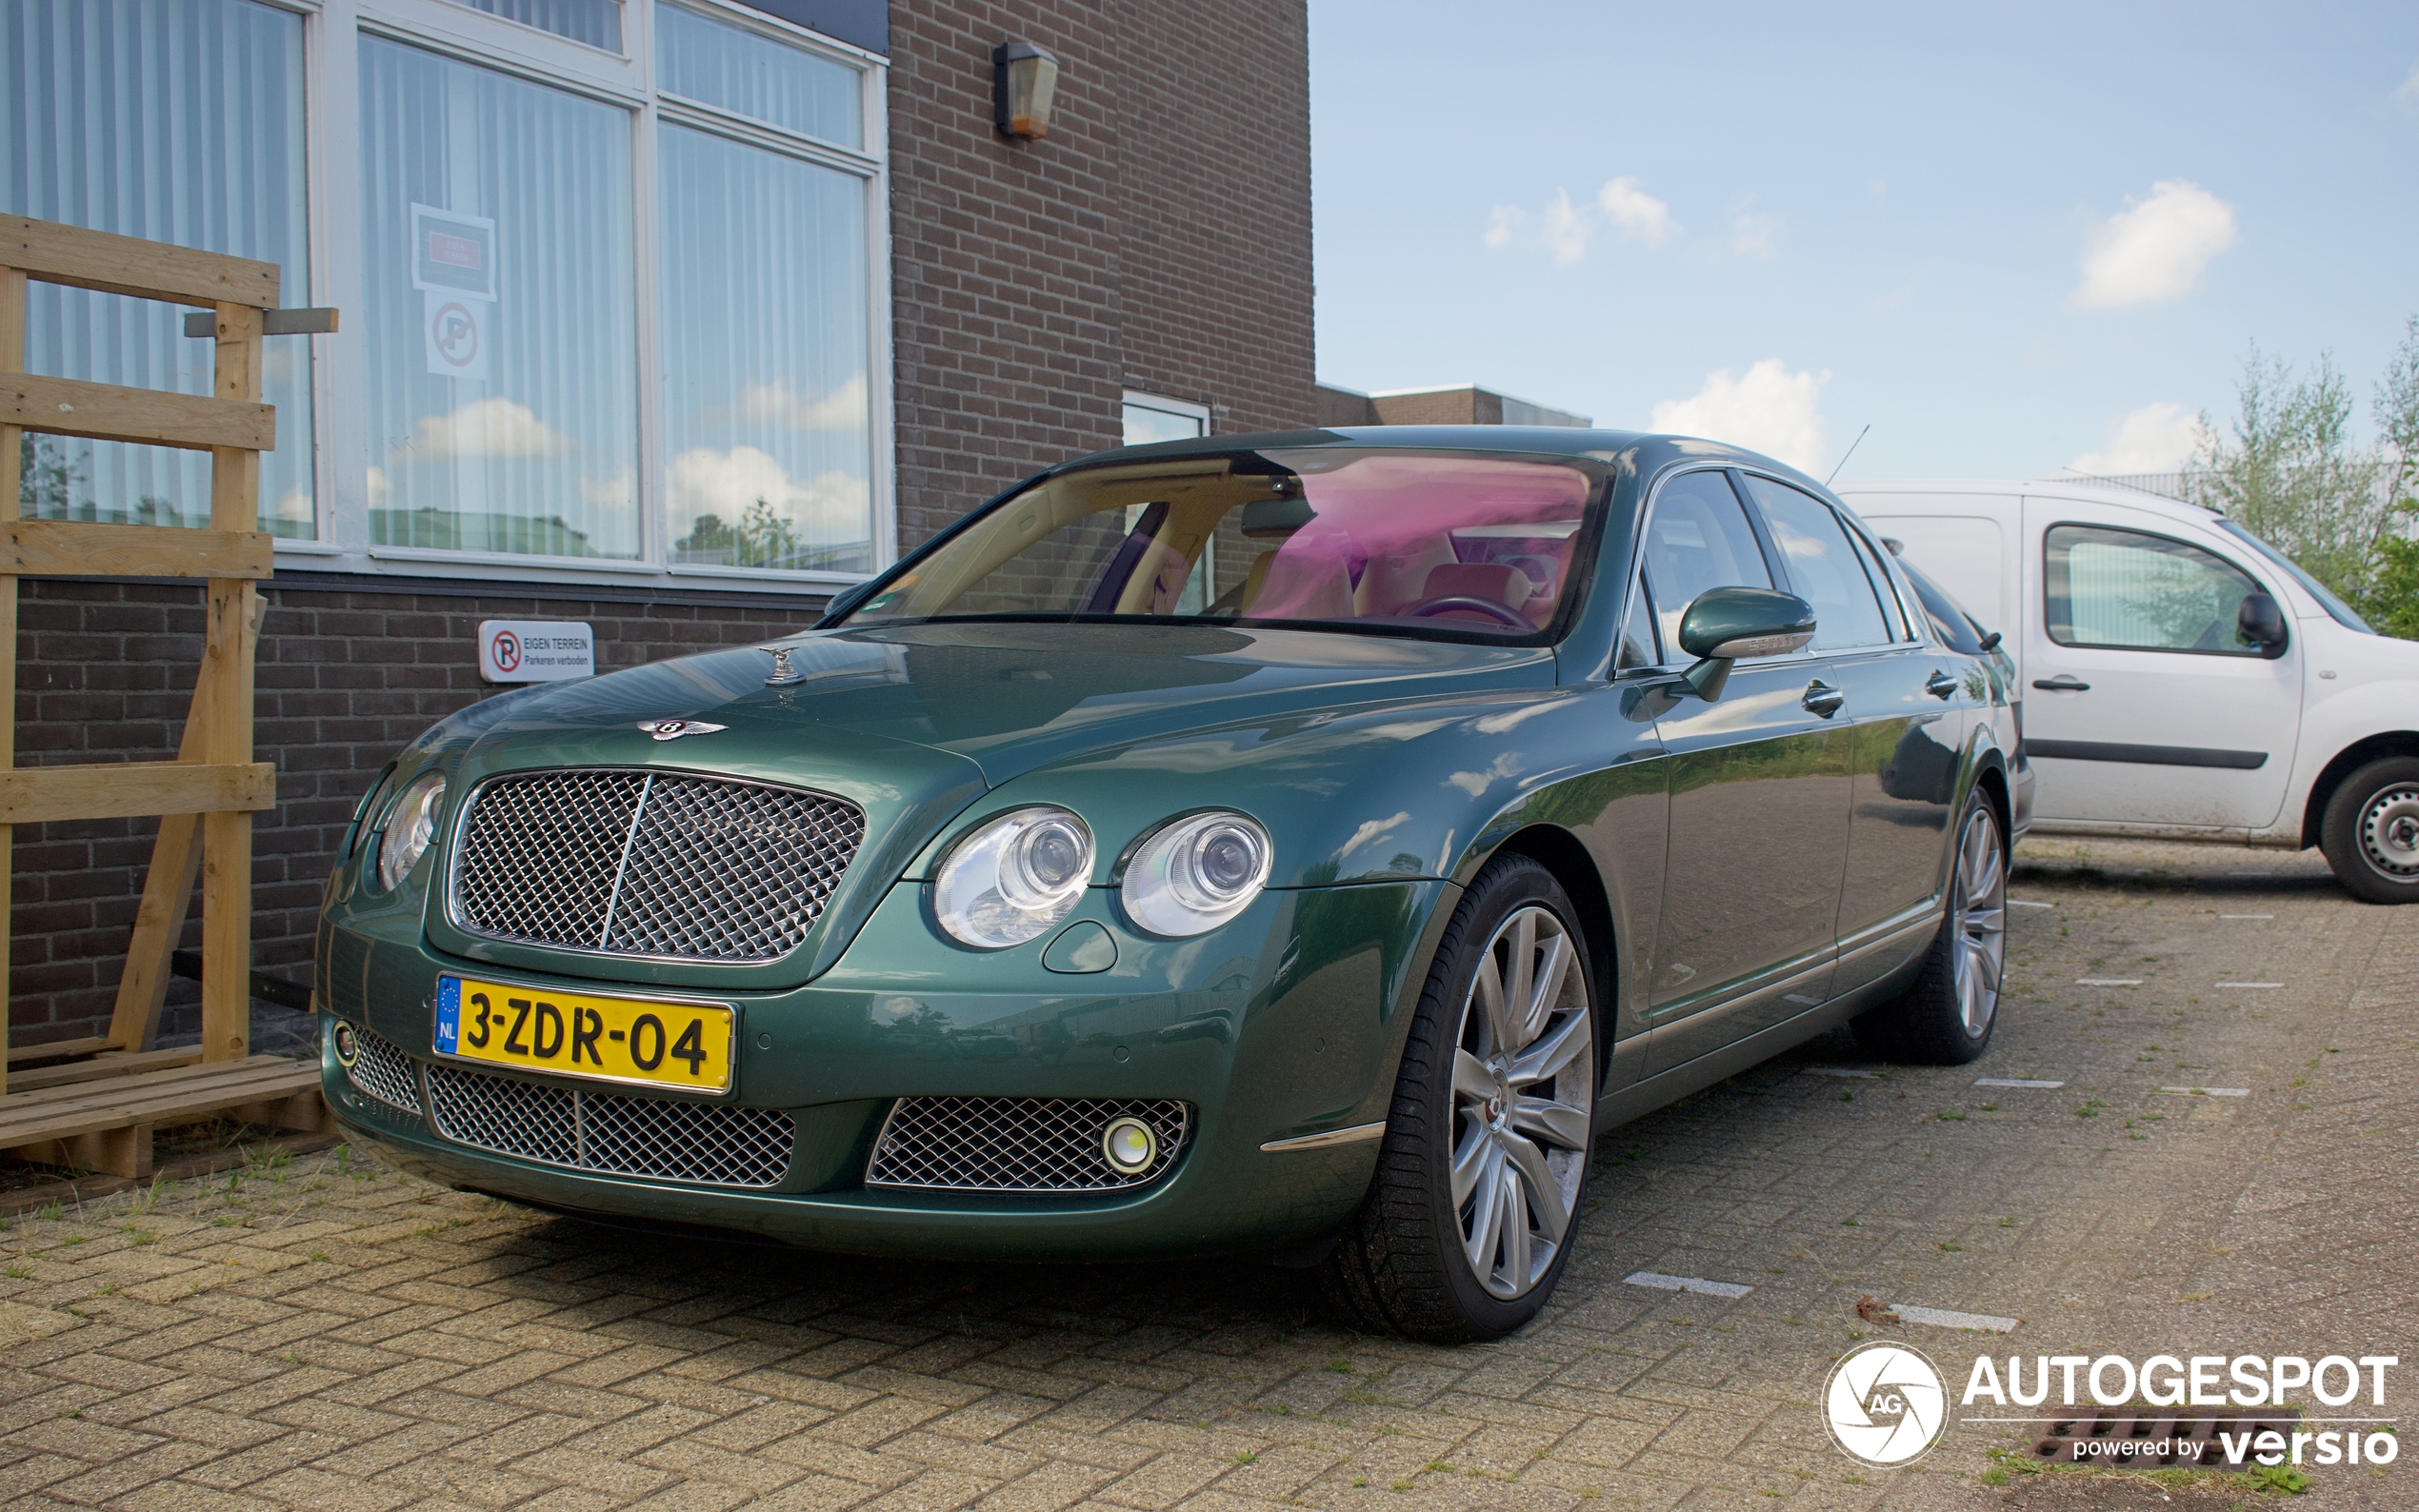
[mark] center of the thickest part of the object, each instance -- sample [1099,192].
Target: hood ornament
[783,674]
[675,728]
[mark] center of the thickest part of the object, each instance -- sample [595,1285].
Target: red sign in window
[456,251]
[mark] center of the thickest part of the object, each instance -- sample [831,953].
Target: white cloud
[2156,249]
[1567,230]
[776,403]
[1768,409]
[1503,223]
[2409,94]
[1752,233]
[829,506]
[494,427]
[1639,214]
[2155,438]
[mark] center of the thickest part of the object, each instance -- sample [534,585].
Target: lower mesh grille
[381,1072]
[605,1131]
[1019,1144]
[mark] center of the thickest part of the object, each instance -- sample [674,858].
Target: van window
[2129,590]
[1824,569]
[1698,537]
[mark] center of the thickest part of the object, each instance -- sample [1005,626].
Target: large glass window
[2129,590]
[749,74]
[1824,567]
[496,254]
[177,121]
[1698,537]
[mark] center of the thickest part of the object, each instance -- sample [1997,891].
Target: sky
[2011,239]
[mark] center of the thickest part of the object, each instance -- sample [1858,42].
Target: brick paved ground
[329,1335]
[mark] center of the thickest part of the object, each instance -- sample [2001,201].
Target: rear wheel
[2371,832]
[1468,1223]
[1947,1017]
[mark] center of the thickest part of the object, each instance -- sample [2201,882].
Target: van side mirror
[2261,619]
[1723,625]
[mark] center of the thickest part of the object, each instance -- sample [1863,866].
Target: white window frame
[1166,406]
[340,372]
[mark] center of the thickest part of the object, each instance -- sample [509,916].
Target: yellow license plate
[567,1032]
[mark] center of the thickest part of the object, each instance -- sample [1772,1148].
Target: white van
[2183,679]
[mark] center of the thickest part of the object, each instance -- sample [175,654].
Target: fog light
[347,1046]
[1129,1144]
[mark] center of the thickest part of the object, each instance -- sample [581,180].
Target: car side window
[1823,565]
[1638,635]
[2130,590]
[1894,613]
[1698,537]
[1951,625]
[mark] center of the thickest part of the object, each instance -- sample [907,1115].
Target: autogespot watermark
[1887,1406]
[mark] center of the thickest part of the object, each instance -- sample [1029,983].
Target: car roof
[1648,451]
[2084,490]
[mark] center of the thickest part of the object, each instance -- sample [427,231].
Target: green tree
[2288,471]
[2391,602]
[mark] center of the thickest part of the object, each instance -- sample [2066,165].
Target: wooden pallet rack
[93,1102]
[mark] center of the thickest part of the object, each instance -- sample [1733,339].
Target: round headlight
[1196,873]
[410,824]
[1013,878]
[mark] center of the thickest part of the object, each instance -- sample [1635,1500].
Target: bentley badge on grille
[675,728]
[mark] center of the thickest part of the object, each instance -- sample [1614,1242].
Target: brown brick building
[666,317]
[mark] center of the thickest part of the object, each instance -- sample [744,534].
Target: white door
[2142,704]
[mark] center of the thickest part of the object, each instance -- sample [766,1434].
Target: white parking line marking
[1835,1070]
[2246,915]
[1708,1288]
[2007,1081]
[2251,983]
[2027,902]
[2107,982]
[2210,1091]
[1940,1318]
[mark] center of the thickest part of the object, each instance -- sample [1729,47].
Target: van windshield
[2342,613]
[1451,545]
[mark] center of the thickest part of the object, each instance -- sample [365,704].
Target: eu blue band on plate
[449,1013]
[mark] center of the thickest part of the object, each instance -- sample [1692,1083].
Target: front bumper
[1285,1022]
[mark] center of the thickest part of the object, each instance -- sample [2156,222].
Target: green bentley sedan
[1300,846]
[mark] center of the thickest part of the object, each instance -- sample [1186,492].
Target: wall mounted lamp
[1024,84]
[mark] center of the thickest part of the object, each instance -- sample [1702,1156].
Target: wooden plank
[227,677]
[84,549]
[31,795]
[52,1050]
[128,265]
[192,1105]
[159,919]
[70,406]
[12,446]
[316,321]
[101,1068]
[206,1074]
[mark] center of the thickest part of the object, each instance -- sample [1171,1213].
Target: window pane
[496,247]
[179,121]
[767,419]
[1146,424]
[748,74]
[1698,537]
[2125,589]
[1637,636]
[598,23]
[1824,569]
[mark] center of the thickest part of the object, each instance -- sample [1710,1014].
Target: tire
[1946,1015]
[2371,832]
[1509,1132]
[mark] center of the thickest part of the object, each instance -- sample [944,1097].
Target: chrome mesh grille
[381,1072]
[709,1142]
[663,864]
[1018,1143]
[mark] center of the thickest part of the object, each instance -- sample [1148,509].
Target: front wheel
[1468,1223]
[1947,1017]
[2371,832]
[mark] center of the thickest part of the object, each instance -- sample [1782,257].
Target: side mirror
[2262,622]
[1725,623]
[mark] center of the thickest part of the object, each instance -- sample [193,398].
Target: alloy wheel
[2389,832]
[1979,934]
[1522,1078]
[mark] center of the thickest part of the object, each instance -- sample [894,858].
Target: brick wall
[349,671]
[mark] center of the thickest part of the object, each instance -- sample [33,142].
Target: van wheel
[2371,834]
[1947,1017]
[1467,1224]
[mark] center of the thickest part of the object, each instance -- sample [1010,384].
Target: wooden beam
[38,795]
[128,265]
[12,447]
[84,549]
[70,406]
[101,1067]
[53,1049]
[223,693]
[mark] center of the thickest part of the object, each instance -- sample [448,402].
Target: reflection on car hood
[1012,696]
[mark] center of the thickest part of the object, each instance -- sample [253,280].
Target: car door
[2144,705]
[1904,705]
[1760,780]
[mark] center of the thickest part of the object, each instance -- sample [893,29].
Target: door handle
[1822,698]
[2063,682]
[1940,685]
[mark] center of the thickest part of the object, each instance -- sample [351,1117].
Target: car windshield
[2343,614]
[1452,545]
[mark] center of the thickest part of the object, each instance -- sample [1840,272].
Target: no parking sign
[535,651]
